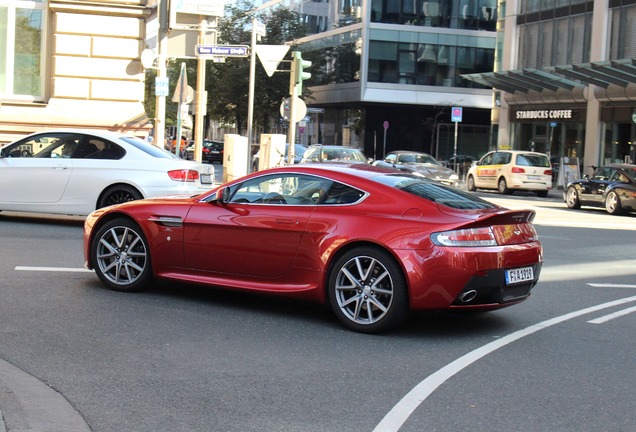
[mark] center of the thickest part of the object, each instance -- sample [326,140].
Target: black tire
[367,290]
[572,198]
[118,194]
[120,256]
[470,184]
[613,203]
[503,186]
[542,194]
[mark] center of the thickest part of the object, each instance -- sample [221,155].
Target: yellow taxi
[511,170]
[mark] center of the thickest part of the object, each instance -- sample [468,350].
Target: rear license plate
[519,275]
[534,177]
[206,179]
[215,152]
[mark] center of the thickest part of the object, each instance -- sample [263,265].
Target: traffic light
[298,73]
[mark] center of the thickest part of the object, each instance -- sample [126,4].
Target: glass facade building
[386,73]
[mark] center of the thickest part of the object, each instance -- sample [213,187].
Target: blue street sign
[161,86]
[222,50]
[456,114]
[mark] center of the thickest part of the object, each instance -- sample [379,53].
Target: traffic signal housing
[298,74]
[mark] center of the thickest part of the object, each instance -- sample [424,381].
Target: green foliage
[228,83]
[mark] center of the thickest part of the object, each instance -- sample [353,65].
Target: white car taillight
[183,175]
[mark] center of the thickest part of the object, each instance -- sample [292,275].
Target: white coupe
[74,172]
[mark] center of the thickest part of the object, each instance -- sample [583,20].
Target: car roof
[620,165]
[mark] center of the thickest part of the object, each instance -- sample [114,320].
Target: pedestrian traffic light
[298,74]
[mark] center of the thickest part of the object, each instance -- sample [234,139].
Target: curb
[30,405]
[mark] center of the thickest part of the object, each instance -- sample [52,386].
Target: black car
[612,186]
[211,151]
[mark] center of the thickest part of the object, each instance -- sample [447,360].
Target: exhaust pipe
[468,296]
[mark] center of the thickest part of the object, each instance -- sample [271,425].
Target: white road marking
[618,314]
[53,269]
[400,413]
[599,285]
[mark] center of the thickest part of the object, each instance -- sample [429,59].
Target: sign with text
[222,50]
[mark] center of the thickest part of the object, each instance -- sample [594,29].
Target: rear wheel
[613,203]
[120,255]
[118,194]
[503,186]
[470,184]
[367,290]
[572,198]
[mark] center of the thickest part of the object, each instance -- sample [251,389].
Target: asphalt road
[180,358]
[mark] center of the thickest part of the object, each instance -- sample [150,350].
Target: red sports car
[373,243]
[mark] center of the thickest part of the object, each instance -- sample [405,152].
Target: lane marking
[54,269]
[400,413]
[608,285]
[612,316]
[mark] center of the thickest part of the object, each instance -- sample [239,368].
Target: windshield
[433,191]
[418,158]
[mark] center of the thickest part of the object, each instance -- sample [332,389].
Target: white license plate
[215,152]
[206,179]
[534,177]
[519,275]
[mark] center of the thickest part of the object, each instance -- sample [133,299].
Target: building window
[21,50]
[623,43]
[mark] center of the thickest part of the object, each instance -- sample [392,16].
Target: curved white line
[400,413]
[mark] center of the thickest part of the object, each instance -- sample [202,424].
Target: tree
[228,83]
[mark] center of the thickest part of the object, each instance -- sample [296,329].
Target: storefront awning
[602,74]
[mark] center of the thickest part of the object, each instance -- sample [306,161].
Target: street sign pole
[250,99]
[456,116]
[201,100]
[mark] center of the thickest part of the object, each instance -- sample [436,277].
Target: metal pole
[183,88]
[162,45]
[250,102]
[201,100]
[455,149]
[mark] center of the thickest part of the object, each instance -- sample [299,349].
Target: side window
[619,177]
[390,158]
[98,148]
[501,158]
[603,174]
[288,189]
[486,160]
[340,193]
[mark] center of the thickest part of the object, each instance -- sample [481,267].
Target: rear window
[534,160]
[150,149]
[433,191]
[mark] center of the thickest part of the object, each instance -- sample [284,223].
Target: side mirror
[222,196]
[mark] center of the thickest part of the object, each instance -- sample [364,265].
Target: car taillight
[205,150]
[489,236]
[548,172]
[517,170]
[183,175]
[465,237]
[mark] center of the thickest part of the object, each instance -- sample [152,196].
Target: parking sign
[456,114]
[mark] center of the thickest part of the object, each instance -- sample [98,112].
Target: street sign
[161,86]
[456,114]
[299,106]
[222,51]
[270,56]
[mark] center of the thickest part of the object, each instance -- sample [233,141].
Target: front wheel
[572,198]
[120,256]
[367,290]
[613,203]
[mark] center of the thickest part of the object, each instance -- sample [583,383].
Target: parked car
[211,151]
[462,165]
[421,163]
[612,186]
[77,171]
[299,150]
[511,170]
[333,153]
[373,243]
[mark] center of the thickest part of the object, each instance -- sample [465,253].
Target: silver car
[420,163]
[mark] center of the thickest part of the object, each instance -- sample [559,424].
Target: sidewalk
[30,405]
